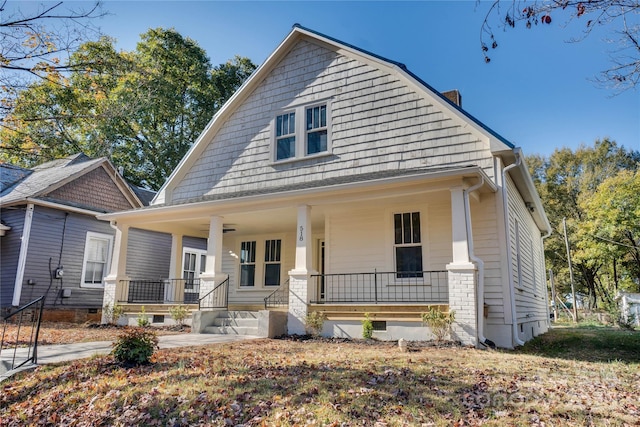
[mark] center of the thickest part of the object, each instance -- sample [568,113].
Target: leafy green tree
[564,181]
[142,109]
[611,230]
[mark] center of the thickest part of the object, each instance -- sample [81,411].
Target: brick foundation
[73,315]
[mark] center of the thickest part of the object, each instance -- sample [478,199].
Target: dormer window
[302,132]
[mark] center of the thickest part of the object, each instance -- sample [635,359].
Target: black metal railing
[162,291]
[278,298]
[382,288]
[218,297]
[27,321]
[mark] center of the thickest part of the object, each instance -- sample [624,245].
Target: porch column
[114,289]
[172,291]
[299,281]
[462,274]
[213,266]
[459,227]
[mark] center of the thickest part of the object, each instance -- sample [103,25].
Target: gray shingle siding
[9,252]
[378,123]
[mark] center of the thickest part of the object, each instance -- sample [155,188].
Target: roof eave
[294,195]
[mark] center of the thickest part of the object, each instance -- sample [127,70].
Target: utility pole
[553,296]
[573,288]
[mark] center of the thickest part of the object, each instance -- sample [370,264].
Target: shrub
[178,313]
[113,314]
[314,322]
[143,320]
[439,322]
[135,346]
[367,327]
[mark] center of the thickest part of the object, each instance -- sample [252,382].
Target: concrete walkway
[67,352]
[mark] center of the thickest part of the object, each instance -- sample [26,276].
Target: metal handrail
[223,288]
[279,297]
[32,352]
[382,287]
[161,291]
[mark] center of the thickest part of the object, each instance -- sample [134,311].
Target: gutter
[505,203]
[60,206]
[480,288]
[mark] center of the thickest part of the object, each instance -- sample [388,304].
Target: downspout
[505,203]
[480,288]
[546,293]
[22,257]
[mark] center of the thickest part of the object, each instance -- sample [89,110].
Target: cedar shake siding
[378,123]
[95,190]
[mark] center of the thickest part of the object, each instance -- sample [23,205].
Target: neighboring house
[52,242]
[335,180]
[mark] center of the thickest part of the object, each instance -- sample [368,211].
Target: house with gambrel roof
[336,180]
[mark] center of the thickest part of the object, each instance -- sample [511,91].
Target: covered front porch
[390,248]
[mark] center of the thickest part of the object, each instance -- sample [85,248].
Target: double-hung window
[286,136]
[272,262]
[302,132]
[316,128]
[407,244]
[97,255]
[248,264]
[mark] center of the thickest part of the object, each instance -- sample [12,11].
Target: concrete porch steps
[234,323]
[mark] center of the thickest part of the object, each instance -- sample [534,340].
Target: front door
[193,263]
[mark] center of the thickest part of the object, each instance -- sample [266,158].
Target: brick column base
[462,300]
[298,303]
[113,292]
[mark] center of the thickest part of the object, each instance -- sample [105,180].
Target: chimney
[454,96]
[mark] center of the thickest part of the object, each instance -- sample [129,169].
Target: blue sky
[535,92]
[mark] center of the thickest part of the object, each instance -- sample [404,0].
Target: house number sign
[301,236]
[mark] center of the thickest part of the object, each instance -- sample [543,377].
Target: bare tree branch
[624,72]
[39,45]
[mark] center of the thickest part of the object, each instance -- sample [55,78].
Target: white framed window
[248,264]
[285,136]
[407,245]
[302,132]
[97,259]
[260,263]
[316,129]
[272,249]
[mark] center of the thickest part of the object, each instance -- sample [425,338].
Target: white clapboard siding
[530,284]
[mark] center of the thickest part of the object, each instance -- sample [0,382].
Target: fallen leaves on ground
[286,383]
[68,333]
